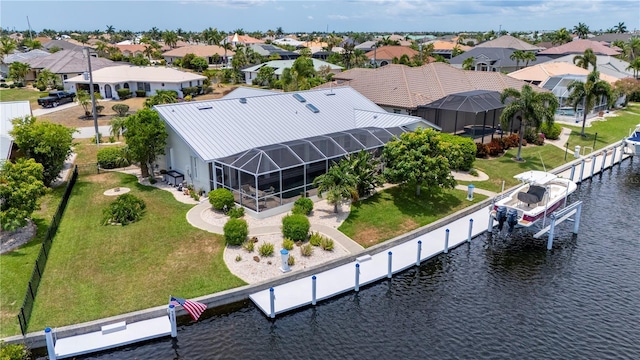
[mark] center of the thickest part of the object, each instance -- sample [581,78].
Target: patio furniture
[173,177]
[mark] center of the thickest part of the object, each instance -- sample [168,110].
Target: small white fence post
[313,290]
[446,241]
[419,252]
[389,270]
[470,230]
[51,345]
[272,301]
[357,286]
[172,320]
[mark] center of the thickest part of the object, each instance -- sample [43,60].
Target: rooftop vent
[313,108]
[205,108]
[243,100]
[299,97]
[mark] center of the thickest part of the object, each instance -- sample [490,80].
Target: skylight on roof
[299,97]
[313,109]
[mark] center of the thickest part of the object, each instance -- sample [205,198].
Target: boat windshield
[536,177]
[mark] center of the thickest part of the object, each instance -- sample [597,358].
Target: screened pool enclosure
[270,176]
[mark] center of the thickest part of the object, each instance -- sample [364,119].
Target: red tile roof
[579,46]
[406,87]
[390,52]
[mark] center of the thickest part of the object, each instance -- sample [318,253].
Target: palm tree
[588,57]
[364,167]
[635,66]
[560,37]
[528,57]
[338,183]
[110,30]
[531,107]
[170,38]
[161,97]
[621,28]
[101,48]
[279,31]
[7,46]
[517,56]
[18,71]
[117,126]
[586,93]
[467,64]
[582,30]
[633,48]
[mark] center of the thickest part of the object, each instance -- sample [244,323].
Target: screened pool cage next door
[270,176]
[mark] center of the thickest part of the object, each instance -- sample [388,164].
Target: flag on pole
[194,308]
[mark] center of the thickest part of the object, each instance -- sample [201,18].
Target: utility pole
[87,53]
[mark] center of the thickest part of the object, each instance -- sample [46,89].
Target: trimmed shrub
[249,245]
[306,250]
[494,148]
[482,150]
[124,94]
[141,93]
[14,351]
[326,244]
[287,244]
[530,134]
[315,239]
[266,249]
[124,210]
[551,132]
[460,151]
[112,157]
[235,231]
[511,141]
[236,213]
[295,227]
[291,260]
[221,197]
[121,109]
[303,206]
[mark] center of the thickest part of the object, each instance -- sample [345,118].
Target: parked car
[56,98]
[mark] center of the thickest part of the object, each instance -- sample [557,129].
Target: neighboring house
[67,44]
[366,46]
[131,50]
[384,55]
[148,78]
[267,50]
[559,86]
[245,40]
[19,57]
[577,47]
[10,110]
[509,42]
[267,148]
[214,54]
[278,66]
[612,37]
[66,64]
[606,65]
[446,48]
[540,73]
[402,89]
[493,60]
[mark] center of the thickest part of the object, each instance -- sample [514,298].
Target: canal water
[500,297]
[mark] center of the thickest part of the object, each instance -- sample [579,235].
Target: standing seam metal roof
[219,128]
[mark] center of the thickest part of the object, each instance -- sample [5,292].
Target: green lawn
[610,131]
[504,168]
[96,271]
[20,95]
[16,266]
[397,210]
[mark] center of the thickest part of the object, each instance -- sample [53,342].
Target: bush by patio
[219,198]
[295,227]
[302,206]
[235,231]
[124,210]
[551,132]
[124,94]
[112,157]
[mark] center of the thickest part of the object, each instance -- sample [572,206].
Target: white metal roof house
[267,148]
[8,111]
[278,66]
[147,78]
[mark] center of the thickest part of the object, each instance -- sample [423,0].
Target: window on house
[194,167]
[64,77]
[397,111]
[144,86]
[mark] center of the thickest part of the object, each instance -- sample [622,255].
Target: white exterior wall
[183,162]
[391,110]
[133,86]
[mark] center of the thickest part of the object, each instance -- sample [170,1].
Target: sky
[400,16]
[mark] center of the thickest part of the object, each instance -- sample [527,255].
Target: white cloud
[338,17]
[310,17]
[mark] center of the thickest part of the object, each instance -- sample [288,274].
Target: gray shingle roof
[218,128]
[68,61]
[500,57]
[509,42]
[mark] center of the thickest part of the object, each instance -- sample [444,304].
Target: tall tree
[110,30]
[561,36]
[365,170]
[587,58]
[467,64]
[582,30]
[18,71]
[532,108]
[417,159]
[170,38]
[47,143]
[517,56]
[20,187]
[146,138]
[528,57]
[7,47]
[621,28]
[635,66]
[587,93]
[338,184]
[47,79]
[161,97]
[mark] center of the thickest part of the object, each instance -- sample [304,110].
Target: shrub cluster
[124,210]
[287,244]
[124,94]
[291,260]
[551,132]
[266,249]
[235,231]
[482,150]
[248,245]
[326,244]
[306,250]
[221,197]
[14,351]
[112,157]
[141,93]
[315,239]
[494,148]
[295,227]
[461,151]
[302,206]
[121,109]
[236,212]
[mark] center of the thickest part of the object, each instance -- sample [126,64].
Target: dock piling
[313,290]
[573,170]
[272,301]
[604,161]
[470,230]
[51,350]
[389,271]
[446,241]
[172,320]
[593,166]
[576,222]
[357,286]
[419,252]
[552,228]
[490,227]
[581,170]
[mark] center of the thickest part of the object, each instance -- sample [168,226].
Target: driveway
[90,132]
[43,111]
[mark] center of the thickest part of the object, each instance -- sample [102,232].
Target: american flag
[194,308]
